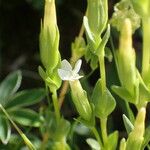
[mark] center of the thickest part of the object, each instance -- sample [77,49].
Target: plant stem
[95,132]
[47,95]
[102,71]
[146,47]
[103,124]
[65,85]
[56,105]
[26,140]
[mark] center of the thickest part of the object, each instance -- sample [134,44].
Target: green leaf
[26,117]
[90,56]
[104,102]
[123,93]
[81,129]
[26,98]
[112,141]
[42,73]
[9,86]
[78,47]
[102,45]
[88,30]
[146,138]
[128,125]
[5,130]
[136,137]
[93,144]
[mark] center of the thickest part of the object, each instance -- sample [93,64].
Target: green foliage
[55,132]
[5,130]
[25,98]
[104,102]
[128,125]
[123,10]
[14,101]
[9,86]
[26,117]
[93,144]
[136,137]
[112,141]
[78,48]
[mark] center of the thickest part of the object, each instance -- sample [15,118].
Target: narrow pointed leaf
[123,93]
[128,125]
[26,117]
[26,98]
[112,141]
[9,86]
[5,130]
[93,144]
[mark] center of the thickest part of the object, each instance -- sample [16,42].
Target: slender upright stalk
[103,121]
[146,47]
[56,105]
[26,140]
[102,71]
[103,125]
[95,132]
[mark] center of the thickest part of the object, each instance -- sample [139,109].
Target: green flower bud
[97,15]
[122,144]
[49,37]
[135,138]
[123,10]
[80,100]
[126,58]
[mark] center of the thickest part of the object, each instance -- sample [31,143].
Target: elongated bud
[136,136]
[97,15]
[126,58]
[80,100]
[122,144]
[49,14]
[49,37]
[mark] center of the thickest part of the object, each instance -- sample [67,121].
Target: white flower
[67,73]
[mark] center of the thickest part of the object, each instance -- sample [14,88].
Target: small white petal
[77,66]
[76,77]
[65,65]
[64,74]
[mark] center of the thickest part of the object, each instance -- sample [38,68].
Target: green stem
[146,47]
[95,132]
[56,105]
[26,140]
[103,124]
[47,95]
[102,71]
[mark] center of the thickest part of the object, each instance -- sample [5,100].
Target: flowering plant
[95,104]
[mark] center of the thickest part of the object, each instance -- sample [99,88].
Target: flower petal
[64,74]
[65,65]
[77,66]
[76,77]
